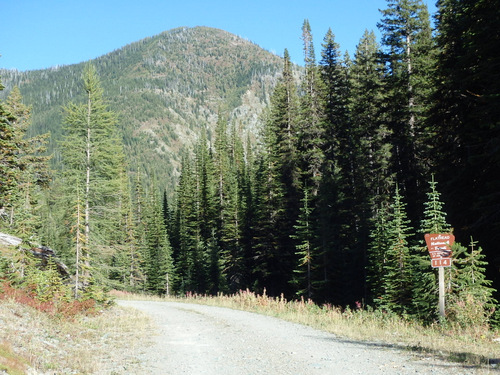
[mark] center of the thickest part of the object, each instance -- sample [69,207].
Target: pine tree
[248,217]
[228,159]
[206,188]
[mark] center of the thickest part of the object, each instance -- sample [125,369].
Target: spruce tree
[425,298]
[127,266]
[185,232]
[337,221]
[228,159]
[306,250]
[471,299]
[367,113]
[397,279]
[377,255]
[465,117]
[159,264]
[408,55]
[465,280]
[310,135]
[276,196]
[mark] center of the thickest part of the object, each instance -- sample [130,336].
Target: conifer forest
[314,181]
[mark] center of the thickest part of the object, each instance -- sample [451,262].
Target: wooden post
[441,291]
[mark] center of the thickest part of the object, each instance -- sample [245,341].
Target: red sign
[439,245]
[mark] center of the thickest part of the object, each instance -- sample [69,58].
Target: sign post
[439,245]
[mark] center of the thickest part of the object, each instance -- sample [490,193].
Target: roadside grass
[10,362]
[475,345]
[106,342]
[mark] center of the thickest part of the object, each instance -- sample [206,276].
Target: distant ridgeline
[165,88]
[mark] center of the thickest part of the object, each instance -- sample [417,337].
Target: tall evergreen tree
[377,255]
[425,298]
[367,113]
[93,158]
[408,55]
[306,249]
[32,170]
[186,229]
[277,183]
[466,116]
[338,221]
[127,266]
[159,264]
[397,280]
[228,159]
[8,155]
[310,131]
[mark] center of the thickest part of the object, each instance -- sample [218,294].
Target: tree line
[334,200]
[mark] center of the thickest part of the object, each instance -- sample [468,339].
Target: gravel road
[197,339]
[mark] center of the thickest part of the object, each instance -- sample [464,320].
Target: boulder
[43,253]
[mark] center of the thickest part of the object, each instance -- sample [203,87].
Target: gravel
[198,339]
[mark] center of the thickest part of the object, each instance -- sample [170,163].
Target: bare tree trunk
[411,97]
[78,245]
[86,272]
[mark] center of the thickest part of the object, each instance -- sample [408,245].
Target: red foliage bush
[56,307]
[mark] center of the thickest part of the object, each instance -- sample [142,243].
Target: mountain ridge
[166,88]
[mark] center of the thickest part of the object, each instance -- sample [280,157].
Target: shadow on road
[463,359]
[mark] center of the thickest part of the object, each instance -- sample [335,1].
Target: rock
[7,239]
[43,253]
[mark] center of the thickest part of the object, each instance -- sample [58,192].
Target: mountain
[165,88]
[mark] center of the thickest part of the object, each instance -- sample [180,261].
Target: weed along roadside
[36,342]
[112,340]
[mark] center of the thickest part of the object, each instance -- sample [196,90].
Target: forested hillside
[318,182]
[165,89]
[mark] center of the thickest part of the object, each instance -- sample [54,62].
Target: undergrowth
[57,306]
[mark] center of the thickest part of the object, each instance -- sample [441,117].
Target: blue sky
[37,34]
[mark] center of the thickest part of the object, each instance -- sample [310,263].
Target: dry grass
[473,346]
[11,362]
[106,343]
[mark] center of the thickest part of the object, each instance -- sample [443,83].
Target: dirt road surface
[196,339]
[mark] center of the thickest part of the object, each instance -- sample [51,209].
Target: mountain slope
[165,88]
